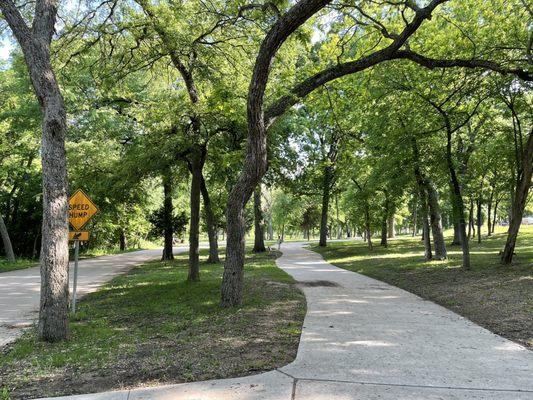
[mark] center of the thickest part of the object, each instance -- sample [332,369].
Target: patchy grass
[152,327]
[20,263]
[496,297]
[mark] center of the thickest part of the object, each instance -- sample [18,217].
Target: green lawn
[496,297]
[152,327]
[20,263]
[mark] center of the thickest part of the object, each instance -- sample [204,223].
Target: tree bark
[211,224]
[35,44]
[384,219]
[489,213]
[495,213]
[519,203]
[478,219]
[436,221]
[259,239]
[368,233]
[457,199]
[422,186]
[326,185]
[196,166]
[122,240]
[391,226]
[168,212]
[8,248]
[255,164]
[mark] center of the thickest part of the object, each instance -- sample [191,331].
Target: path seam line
[412,386]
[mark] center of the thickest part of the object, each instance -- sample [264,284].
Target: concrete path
[19,290]
[366,340]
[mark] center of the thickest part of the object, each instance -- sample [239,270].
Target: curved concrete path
[364,339]
[19,290]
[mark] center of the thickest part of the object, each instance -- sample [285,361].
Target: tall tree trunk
[384,232]
[489,213]
[457,199]
[35,44]
[122,240]
[168,212]
[391,226]
[8,248]
[436,221]
[196,165]
[520,199]
[471,220]
[421,183]
[478,220]
[495,214]
[415,216]
[259,240]
[210,222]
[384,219]
[368,233]
[326,185]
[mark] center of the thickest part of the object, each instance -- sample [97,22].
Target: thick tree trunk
[259,240]
[423,201]
[211,224]
[326,185]
[384,232]
[436,222]
[35,44]
[196,165]
[122,240]
[391,226]
[168,212]
[8,248]
[519,203]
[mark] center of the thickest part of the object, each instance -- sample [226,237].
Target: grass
[152,327]
[496,297]
[23,263]
[20,263]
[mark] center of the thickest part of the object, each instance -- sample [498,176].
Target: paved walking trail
[19,290]
[365,340]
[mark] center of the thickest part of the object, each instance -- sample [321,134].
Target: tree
[35,42]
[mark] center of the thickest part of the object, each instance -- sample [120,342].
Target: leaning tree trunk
[259,239]
[519,203]
[168,218]
[196,164]
[326,185]
[436,222]
[8,248]
[210,222]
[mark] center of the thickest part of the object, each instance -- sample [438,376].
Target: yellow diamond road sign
[80,209]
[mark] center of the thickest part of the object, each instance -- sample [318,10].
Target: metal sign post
[80,210]
[75,283]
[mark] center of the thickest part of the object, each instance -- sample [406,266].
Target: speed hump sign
[80,209]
